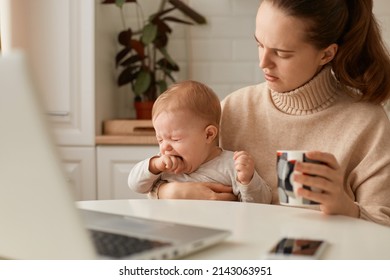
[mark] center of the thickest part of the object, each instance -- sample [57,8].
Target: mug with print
[287,187]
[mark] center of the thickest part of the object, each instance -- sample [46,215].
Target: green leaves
[143,60]
[167,56]
[124,37]
[142,82]
[127,75]
[119,3]
[185,9]
[149,33]
[162,85]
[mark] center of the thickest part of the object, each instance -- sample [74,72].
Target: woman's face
[287,60]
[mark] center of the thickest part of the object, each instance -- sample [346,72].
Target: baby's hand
[245,166]
[169,163]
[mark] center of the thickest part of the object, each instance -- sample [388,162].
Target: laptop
[38,214]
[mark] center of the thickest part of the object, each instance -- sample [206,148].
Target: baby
[186,120]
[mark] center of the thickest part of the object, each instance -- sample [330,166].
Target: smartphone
[298,249]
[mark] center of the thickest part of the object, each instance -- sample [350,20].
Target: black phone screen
[292,246]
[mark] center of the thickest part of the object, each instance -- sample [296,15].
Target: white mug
[287,187]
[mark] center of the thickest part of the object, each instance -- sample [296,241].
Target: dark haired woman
[327,75]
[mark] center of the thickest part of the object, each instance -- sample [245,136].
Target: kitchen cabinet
[79,166]
[113,166]
[58,40]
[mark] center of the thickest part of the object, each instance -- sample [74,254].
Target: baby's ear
[211,133]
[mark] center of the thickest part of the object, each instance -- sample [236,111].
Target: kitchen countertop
[125,140]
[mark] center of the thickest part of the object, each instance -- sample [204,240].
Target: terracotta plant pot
[143,110]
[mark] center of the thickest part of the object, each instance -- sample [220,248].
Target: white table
[256,227]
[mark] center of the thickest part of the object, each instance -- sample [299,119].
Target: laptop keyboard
[119,246]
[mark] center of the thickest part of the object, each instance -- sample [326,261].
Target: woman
[327,73]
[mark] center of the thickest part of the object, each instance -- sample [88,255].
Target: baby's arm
[245,167]
[251,187]
[140,178]
[145,173]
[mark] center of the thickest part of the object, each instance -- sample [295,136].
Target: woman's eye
[282,54]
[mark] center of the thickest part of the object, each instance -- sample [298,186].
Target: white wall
[222,53]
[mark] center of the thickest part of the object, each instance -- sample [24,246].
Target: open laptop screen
[36,202]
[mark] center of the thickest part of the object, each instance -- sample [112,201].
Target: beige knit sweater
[316,116]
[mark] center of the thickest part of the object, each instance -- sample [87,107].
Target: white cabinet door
[79,164]
[113,166]
[58,39]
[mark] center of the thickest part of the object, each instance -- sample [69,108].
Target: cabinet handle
[58,113]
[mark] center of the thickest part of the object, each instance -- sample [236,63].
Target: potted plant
[143,60]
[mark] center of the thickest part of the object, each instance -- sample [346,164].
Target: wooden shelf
[127,132]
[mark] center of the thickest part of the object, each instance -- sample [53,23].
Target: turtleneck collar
[314,96]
